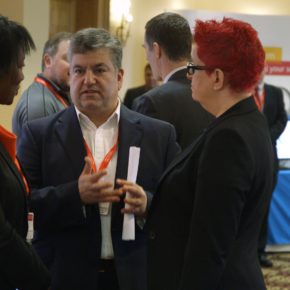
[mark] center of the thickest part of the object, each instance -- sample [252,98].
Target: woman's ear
[218,78]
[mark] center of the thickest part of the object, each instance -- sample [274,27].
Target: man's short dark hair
[13,38]
[51,45]
[172,32]
[91,39]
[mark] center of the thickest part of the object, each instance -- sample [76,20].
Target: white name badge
[30,218]
[104,208]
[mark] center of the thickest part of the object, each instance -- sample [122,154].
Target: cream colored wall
[134,56]
[34,15]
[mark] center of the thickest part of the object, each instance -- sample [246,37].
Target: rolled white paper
[128,233]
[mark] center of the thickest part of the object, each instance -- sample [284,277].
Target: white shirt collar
[173,72]
[86,122]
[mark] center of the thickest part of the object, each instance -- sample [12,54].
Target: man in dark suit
[167,44]
[269,100]
[78,210]
[133,93]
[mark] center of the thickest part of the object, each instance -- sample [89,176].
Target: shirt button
[152,235]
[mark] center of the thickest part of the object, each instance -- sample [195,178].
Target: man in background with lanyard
[77,164]
[49,93]
[269,100]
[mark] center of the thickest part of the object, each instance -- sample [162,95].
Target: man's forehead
[93,58]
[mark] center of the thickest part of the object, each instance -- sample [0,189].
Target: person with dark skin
[20,267]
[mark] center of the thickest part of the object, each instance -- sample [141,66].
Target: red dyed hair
[232,46]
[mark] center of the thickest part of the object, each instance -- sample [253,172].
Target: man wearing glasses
[167,43]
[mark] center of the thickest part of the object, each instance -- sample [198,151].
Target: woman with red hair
[205,218]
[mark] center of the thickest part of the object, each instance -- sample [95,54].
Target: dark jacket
[20,267]
[172,102]
[208,208]
[52,152]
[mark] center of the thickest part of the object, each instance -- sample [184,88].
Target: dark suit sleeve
[20,266]
[55,207]
[145,106]
[224,177]
[172,149]
[128,99]
[279,123]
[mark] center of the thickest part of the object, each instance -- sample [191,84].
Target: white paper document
[129,219]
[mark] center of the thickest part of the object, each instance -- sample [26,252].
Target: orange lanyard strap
[259,100]
[53,91]
[22,175]
[105,162]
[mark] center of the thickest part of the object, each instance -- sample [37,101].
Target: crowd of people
[194,199]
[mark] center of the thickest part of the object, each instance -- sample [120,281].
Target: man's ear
[47,60]
[157,50]
[218,79]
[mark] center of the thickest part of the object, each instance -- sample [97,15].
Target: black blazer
[206,215]
[52,152]
[134,93]
[172,102]
[20,267]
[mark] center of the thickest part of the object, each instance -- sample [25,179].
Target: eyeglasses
[191,68]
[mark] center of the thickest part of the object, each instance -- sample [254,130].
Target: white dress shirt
[100,140]
[172,72]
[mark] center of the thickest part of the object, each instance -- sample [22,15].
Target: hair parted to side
[13,38]
[51,45]
[232,46]
[172,32]
[91,39]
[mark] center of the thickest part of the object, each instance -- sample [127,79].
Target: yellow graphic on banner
[273,53]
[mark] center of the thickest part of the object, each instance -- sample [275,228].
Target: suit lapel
[242,107]
[69,133]
[130,134]
[182,156]
[12,166]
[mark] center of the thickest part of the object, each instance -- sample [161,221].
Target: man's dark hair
[13,38]
[172,32]
[51,45]
[91,39]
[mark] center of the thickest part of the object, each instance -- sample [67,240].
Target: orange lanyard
[105,162]
[22,175]
[259,100]
[53,91]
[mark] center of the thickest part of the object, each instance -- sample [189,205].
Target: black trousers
[262,241]
[108,279]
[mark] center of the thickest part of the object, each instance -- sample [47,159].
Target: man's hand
[136,203]
[92,189]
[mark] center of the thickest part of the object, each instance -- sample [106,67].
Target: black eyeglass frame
[191,68]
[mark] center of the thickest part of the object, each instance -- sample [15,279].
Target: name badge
[104,208]
[30,218]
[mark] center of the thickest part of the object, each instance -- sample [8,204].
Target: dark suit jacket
[132,94]
[172,102]
[274,111]
[52,152]
[19,265]
[208,208]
